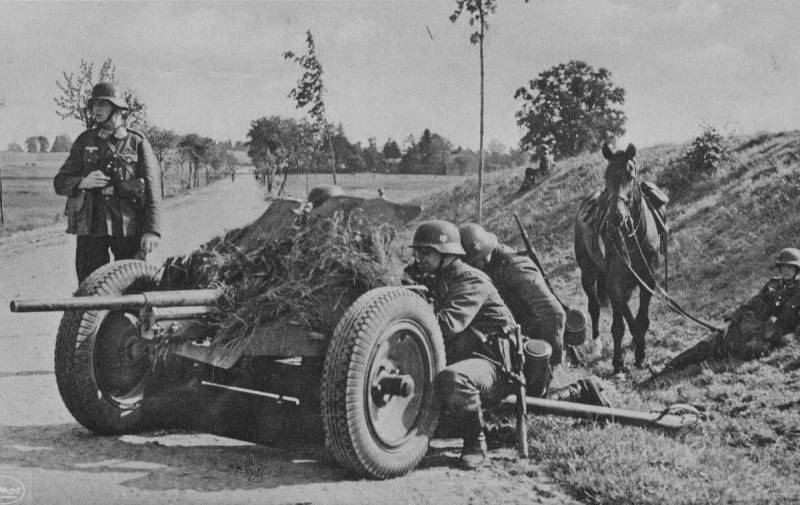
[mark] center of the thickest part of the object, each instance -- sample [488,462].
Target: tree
[32,144]
[391,150]
[277,144]
[478,11]
[44,144]
[310,91]
[194,150]
[572,107]
[15,148]
[76,90]
[61,144]
[162,141]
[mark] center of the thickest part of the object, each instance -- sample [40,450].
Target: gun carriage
[132,354]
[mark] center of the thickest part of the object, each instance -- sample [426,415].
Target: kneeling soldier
[472,317]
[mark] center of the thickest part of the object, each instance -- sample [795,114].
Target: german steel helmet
[439,235]
[788,256]
[108,91]
[476,241]
[319,195]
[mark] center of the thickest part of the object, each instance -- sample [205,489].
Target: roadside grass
[725,234]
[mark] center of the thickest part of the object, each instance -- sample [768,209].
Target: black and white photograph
[400,252]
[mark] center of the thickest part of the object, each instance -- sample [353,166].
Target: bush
[702,161]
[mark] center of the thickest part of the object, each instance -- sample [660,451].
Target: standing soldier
[472,317]
[112,183]
[521,285]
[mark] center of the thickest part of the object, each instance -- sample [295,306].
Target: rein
[657,291]
[625,257]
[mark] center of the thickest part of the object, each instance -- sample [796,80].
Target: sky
[395,67]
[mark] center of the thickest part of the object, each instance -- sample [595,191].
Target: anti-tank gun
[131,353]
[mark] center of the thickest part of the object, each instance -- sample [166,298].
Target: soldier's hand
[96,179]
[149,243]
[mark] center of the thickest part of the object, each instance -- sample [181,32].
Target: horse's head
[620,177]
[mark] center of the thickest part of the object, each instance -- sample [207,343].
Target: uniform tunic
[534,306]
[470,313]
[94,214]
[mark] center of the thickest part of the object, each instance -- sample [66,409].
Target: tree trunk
[333,155]
[2,214]
[480,146]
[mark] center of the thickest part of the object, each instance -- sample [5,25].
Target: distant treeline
[283,145]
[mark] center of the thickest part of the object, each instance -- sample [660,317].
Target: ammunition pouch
[79,213]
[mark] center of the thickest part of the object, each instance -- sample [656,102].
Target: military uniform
[110,217]
[471,315]
[763,323]
[770,301]
[524,289]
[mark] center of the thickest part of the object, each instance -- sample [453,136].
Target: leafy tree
[391,150]
[572,107]
[310,91]
[195,150]
[162,141]
[76,90]
[707,153]
[32,144]
[61,144]
[44,144]
[15,148]
[276,144]
[373,158]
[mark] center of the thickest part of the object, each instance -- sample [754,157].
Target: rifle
[535,258]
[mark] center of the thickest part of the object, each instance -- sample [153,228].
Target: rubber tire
[345,389]
[76,347]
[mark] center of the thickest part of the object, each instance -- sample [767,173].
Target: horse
[617,249]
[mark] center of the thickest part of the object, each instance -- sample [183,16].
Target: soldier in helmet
[769,320]
[322,194]
[521,285]
[316,197]
[112,183]
[472,317]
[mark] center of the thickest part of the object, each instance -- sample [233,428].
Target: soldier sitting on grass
[765,322]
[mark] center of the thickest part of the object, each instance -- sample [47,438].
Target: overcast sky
[395,67]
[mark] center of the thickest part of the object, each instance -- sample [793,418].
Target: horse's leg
[640,326]
[617,332]
[602,293]
[589,282]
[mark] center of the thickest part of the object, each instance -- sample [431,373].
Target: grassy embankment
[28,198]
[725,235]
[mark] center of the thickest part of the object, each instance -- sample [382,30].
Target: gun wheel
[378,405]
[102,365]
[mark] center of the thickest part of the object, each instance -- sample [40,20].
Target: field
[28,197]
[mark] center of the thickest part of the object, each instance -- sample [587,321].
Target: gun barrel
[178,298]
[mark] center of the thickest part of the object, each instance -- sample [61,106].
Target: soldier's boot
[473,454]
[587,391]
